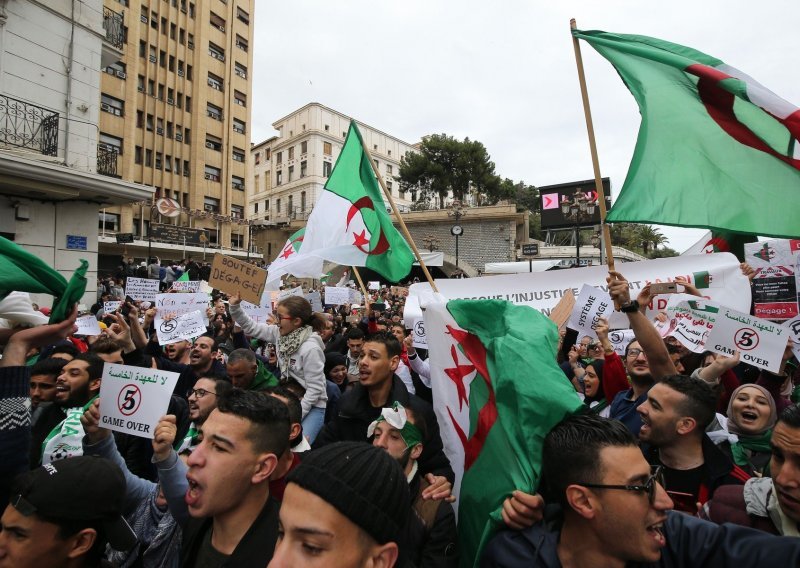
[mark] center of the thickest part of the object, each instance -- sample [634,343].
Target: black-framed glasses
[200,393]
[656,476]
[636,352]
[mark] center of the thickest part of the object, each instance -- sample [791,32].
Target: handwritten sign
[373,285]
[315,301]
[233,276]
[336,295]
[296,291]
[794,332]
[170,306]
[760,342]
[186,326]
[186,286]
[691,319]
[591,305]
[356,297]
[110,307]
[133,399]
[256,313]
[87,325]
[141,288]
[620,338]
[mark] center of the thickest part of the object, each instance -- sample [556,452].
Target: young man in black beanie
[345,506]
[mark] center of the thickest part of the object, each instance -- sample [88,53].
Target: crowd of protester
[312,441]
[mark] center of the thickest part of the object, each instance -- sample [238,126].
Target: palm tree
[650,236]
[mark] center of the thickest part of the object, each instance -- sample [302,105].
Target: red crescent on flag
[719,105]
[383,243]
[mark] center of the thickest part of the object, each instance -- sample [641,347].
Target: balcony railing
[28,126]
[107,160]
[113,24]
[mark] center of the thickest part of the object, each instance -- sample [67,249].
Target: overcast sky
[501,72]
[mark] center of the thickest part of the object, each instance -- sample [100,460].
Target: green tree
[445,164]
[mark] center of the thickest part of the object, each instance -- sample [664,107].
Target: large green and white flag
[497,392]
[290,261]
[349,224]
[716,149]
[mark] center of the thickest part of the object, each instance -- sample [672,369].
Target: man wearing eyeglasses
[202,400]
[617,513]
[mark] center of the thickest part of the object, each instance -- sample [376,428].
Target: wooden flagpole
[363,288]
[398,217]
[598,182]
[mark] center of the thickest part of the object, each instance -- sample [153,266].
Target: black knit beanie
[332,360]
[362,482]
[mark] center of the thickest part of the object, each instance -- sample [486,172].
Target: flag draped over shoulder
[497,392]
[23,272]
[715,148]
[349,224]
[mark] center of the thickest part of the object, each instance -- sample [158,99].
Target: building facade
[53,176]
[175,115]
[289,170]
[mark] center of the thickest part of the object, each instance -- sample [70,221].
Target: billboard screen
[553,195]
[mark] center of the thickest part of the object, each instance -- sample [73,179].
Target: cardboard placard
[233,276]
[133,399]
[562,310]
[141,288]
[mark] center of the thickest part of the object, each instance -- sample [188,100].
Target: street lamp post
[456,230]
[580,208]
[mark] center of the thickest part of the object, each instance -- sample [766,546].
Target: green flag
[497,393]
[21,271]
[715,148]
[184,277]
[349,224]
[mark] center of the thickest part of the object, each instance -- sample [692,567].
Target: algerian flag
[349,224]
[721,241]
[184,277]
[23,272]
[497,392]
[715,148]
[291,261]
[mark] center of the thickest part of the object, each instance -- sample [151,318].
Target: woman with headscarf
[745,434]
[593,395]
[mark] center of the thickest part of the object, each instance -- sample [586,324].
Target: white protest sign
[794,332]
[374,285]
[133,399]
[87,325]
[591,305]
[256,313]
[315,301]
[298,291]
[186,326]
[141,288]
[110,307]
[336,295]
[357,297]
[170,306]
[691,319]
[760,342]
[718,274]
[420,341]
[620,338]
[186,286]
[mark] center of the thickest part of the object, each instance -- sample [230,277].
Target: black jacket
[690,542]
[431,533]
[255,549]
[356,413]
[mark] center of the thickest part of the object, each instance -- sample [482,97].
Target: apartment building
[53,176]
[289,170]
[175,115]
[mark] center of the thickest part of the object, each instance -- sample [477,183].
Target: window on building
[108,222]
[279,177]
[255,207]
[179,100]
[290,205]
[162,58]
[142,48]
[237,241]
[217,22]
[304,147]
[326,169]
[190,41]
[216,51]
[164,26]
[258,158]
[172,29]
[389,169]
[159,160]
[278,206]
[117,69]
[238,155]
[240,70]
[148,158]
[112,105]
[160,92]
[389,187]
[110,143]
[178,172]
[212,174]
[291,173]
[215,81]
[191,10]
[168,163]
[389,152]
[150,122]
[327,150]
[243,16]
[171,96]
[211,204]
[137,154]
[171,64]
[189,74]
[237,211]
[214,111]
[303,169]
[239,98]
[188,103]
[303,201]
[213,143]
[237,182]
[291,152]
[267,153]
[160,126]
[139,119]
[186,168]
[279,158]
[187,135]
[151,87]
[154,20]
[181,69]
[241,43]
[238,126]
[256,183]
[140,83]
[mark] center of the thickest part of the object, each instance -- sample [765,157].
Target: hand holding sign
[165,433]
[91,424]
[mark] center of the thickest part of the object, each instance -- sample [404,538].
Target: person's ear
[264,467]
[383,555]
[394,362]
[81,543]
[685,425]
[416,451]
[582,501]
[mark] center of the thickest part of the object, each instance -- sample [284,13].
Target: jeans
[312,423]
